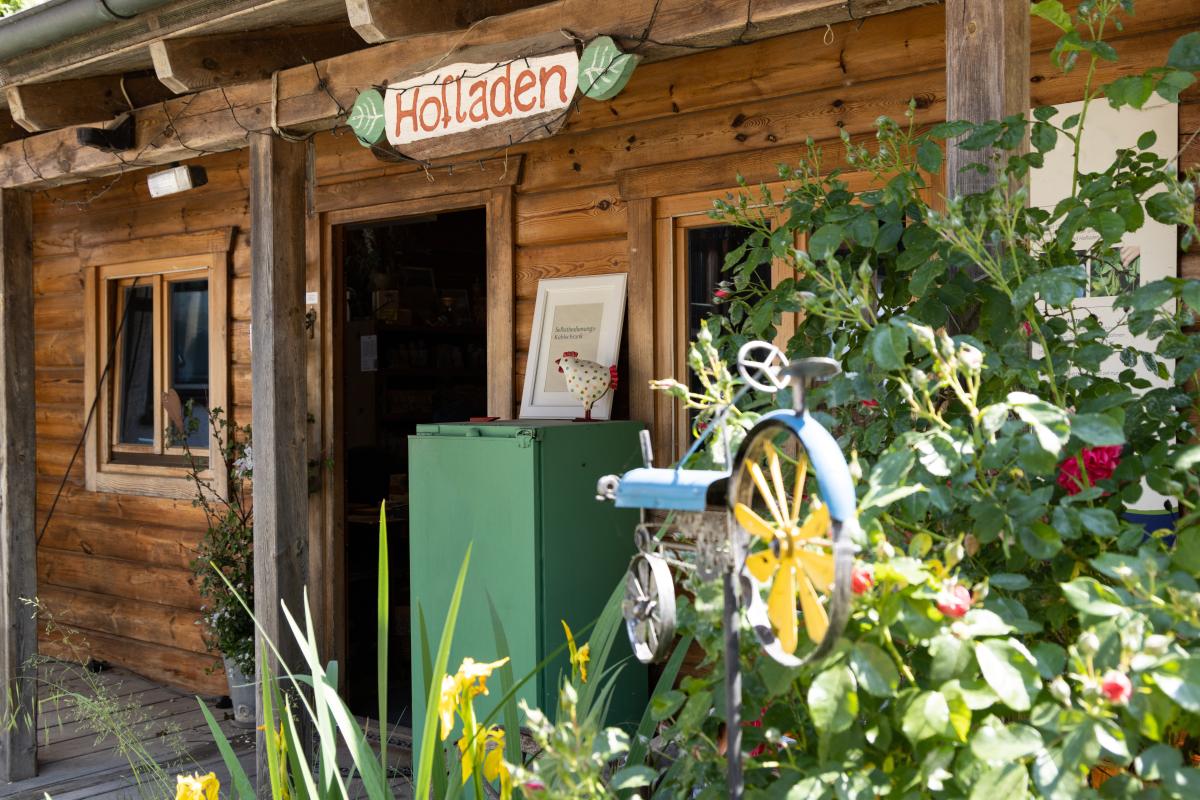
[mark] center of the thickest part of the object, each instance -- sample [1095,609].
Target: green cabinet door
[476,490]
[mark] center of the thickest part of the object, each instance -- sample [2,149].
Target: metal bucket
[243,692]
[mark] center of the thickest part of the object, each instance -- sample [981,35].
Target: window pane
[136,415]
[188,371]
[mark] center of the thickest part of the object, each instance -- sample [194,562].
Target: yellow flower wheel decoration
[773,502]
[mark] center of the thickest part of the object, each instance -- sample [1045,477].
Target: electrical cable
[91,414]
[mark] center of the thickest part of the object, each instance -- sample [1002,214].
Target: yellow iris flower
[579,655]
[197,787]
[488,755]
[796,569]
[462,687]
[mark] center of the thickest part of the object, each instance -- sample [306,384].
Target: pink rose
[1026,328]
[954,600]
[1116,687]
[861,580]
[721,294]
[1100,463]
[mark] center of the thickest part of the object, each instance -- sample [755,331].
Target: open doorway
[414,350]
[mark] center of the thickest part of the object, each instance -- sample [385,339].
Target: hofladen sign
[464,107]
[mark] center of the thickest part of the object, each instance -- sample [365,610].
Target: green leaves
[825,241]
[833,700]
[927,715]
[366,117]
[1010,670]
[1089,596]
[604,69]
[1010,782]
[1097,430]
[1180,681]
[929,156]
[889,346]
[995,743]
[1053,12]
[876,673]
[1049,422]
[1185,53]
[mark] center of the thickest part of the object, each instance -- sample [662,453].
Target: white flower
[245,464]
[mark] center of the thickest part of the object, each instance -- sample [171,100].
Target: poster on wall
[576,317]
[1144,255]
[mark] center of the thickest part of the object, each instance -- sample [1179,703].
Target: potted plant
[225,556]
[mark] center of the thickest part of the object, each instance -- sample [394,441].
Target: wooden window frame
[107,270]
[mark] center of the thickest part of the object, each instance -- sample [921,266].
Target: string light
[171,128]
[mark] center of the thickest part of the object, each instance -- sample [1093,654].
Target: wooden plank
[500,301]
[46,106]
[641,309]
[193,63]
[18,489]
[151,583]
[987,77]
[150,248]
[384,20]
[568,215]
[168,665]
[488,174]
[217,120]
[160,542]
[277,192]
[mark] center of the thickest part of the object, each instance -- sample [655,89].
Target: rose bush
[1014,628]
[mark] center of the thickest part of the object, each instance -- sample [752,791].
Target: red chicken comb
[612,371]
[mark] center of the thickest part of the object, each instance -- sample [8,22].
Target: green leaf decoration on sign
[366,117]
[604,69]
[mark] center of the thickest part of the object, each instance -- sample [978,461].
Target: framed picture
[571,315]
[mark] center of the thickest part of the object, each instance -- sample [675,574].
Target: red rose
[1116,687]
[1100,463]
[861,580]
[720,294]
[1026,328]
[533,786]
[954,600]
[871,403]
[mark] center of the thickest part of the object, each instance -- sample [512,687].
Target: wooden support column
[18,537]
[987,76]
[278,340]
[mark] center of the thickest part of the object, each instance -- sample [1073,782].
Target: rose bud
[861,580]
[1089,643]
[954,601]
[1116,687]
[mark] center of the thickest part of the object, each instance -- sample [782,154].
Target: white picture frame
[583,315]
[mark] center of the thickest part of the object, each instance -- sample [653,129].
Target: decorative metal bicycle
[788,499]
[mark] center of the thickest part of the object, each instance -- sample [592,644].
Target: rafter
[387,20]
[317,99]
[47,106]
[189,64]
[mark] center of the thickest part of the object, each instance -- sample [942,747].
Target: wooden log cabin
[258,95]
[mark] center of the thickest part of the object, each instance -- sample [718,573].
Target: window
[157,366]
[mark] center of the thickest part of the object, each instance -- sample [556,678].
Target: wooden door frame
[490,189]
[661,200]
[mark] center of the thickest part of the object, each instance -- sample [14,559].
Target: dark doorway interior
[414,350]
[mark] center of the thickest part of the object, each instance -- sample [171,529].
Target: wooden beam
[987,77]
[18,491]
[386,20]
[192,63]
[47,106]
[216,120]
[277,177]
[489,174]
[10,131]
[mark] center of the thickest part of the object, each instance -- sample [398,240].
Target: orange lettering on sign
[403,113]
[525,81]
[479,106]
[503,84]
[436,105]
[544,74]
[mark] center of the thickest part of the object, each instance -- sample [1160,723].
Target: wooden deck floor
[77,762]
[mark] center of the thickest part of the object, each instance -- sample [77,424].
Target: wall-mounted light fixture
[176,179]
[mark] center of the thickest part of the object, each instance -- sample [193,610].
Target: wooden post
[18,538]
[987,76]
[278,340]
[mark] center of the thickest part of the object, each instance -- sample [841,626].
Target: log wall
[109,565]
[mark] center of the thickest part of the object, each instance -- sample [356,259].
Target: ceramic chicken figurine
[586,380]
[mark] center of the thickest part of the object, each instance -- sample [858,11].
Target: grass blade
[242,788]
[429,726]
[603,635]
[439,769]
[512,721]
[639,743]
[381,636]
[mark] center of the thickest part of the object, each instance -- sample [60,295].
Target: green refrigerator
[522,493]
